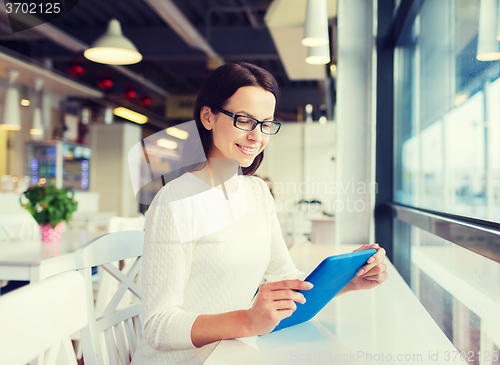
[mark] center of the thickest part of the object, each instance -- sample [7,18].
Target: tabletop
[34,260]
[384,325]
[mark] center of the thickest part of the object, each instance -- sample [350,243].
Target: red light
[76,70]
[146,101]
[130,94]
[105,84]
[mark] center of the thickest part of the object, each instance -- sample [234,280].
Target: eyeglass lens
[247,124]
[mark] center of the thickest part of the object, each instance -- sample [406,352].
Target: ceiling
[233,29]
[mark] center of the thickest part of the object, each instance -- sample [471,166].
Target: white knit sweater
[205,255]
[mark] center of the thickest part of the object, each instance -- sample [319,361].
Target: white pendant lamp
[498,25]
[11,113]
[318,55]
[113,47]
[488,48]
[37,129]
[316,26]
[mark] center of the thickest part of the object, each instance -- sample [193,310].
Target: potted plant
[50,206]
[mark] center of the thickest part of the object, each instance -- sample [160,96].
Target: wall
[298,160]
[109,173]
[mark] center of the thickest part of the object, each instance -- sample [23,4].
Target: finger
[375,270]
[365,247]
[368,247]
[284,313]
[284,305]
[380,252]
[378,278]
[377,257]
[368,268]
[288,284]
[287,294]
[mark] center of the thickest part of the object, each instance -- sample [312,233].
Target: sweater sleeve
[166,269]
[281,265]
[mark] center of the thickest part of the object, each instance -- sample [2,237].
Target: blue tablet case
[329,277]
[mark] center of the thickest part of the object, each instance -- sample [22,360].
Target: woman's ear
[205,114]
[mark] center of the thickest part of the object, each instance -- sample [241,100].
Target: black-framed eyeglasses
[247,123]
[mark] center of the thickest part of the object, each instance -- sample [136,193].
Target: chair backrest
[117,224]
[107,284]
[111,337]
[19,227]
[37,320]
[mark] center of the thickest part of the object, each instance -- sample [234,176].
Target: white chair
[118,224]
[107,286]
[19,227]
[37,319]
[111,337]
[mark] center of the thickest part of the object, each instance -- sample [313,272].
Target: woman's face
[234,143]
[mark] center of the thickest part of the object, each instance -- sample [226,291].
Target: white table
[34,261]
[385,325]
[323,229]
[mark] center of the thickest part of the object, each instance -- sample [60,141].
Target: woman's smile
[247,150]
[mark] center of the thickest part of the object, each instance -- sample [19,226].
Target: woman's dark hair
[220,86]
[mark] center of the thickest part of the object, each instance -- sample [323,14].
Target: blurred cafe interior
[390,134]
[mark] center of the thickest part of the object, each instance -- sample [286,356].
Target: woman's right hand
[275,301]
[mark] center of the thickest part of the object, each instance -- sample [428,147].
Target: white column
[355,121]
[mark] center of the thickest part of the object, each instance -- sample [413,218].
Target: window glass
[458,288]
[447,114]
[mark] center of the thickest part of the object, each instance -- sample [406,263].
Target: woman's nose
[255,134]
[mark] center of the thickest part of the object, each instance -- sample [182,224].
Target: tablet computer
[329,278]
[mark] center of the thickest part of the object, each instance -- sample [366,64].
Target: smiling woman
[230,142]
[241,89]
[212,234]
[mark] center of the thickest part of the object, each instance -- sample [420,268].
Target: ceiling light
[130,115]
[113,47]
[37,124]
[37,129]
[166,143]
[11,112]
[498,25]
[318,55]
[333,70]
[25,102]
[316,26]
[177,133]
[108,115]
[488,48]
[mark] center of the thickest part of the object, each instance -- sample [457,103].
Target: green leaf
[58,204]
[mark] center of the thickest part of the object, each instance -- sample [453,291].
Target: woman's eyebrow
[250,115]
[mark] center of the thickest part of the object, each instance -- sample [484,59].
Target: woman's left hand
[371,274]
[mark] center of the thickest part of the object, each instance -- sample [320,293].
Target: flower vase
[51,235]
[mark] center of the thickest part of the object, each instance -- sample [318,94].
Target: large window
[447,160]
[459,288]
[447,115]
